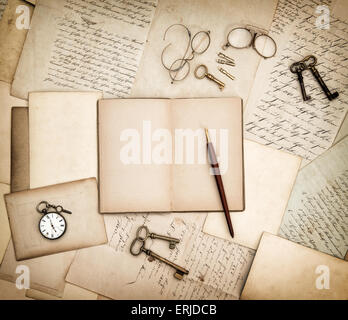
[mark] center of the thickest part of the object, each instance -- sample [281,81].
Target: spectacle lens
[265,46]
[240,38]
[200,42]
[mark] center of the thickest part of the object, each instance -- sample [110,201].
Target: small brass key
[205,74]
[148,234]
[179,271]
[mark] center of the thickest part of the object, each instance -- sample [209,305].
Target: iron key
[297,68]
[311,66]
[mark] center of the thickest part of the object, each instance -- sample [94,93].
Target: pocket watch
[52,225]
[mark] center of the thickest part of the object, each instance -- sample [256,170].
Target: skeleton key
[297,68]
[179,271]
[148,234]
[208,75]
[315,72]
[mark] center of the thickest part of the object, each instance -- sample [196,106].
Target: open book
[152,154]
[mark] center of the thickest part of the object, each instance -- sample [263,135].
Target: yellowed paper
[5,233]
[46,273]
[218,17]
[3,4]
[71,292]
[12,36]
[143,180]
[85,226]
[276,114]
[343,132]
[63,137]
[55,57]
[316,215]
[269,177]
[6,103]
[8,291]
[286,270]
[111,270]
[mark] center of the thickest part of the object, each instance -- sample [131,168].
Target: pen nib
[207,135]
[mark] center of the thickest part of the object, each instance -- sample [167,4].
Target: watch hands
[52,225]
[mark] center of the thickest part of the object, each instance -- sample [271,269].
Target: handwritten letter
[317,213]
[217,268]
[95,45]
[276,115]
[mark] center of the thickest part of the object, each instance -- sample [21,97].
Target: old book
[283,269]
[85,226]
[6,103]
[152,154]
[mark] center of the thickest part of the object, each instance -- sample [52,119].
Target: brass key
[179,271]
[205,74]
[148,234]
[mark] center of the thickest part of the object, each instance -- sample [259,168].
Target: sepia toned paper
[125,184]
[343,132]
[6,103]
[71,292]
[20,176]
[283,269]
[46,273]
[55,58]
[12,36]
[79,197]
[269,178]
[316,215]
[63,136]
[217,268]
[218,17]
[276,114]
[8,291]
[5,233]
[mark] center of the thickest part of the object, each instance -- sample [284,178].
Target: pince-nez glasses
[246,37]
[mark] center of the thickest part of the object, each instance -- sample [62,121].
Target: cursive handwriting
[280,118]
[88,54]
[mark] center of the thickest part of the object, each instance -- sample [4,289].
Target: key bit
[144,233]
[331,96]
[172,241]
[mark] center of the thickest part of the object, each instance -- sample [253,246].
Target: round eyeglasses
[198,44]
[244,37]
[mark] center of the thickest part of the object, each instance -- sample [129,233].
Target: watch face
[52,226]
